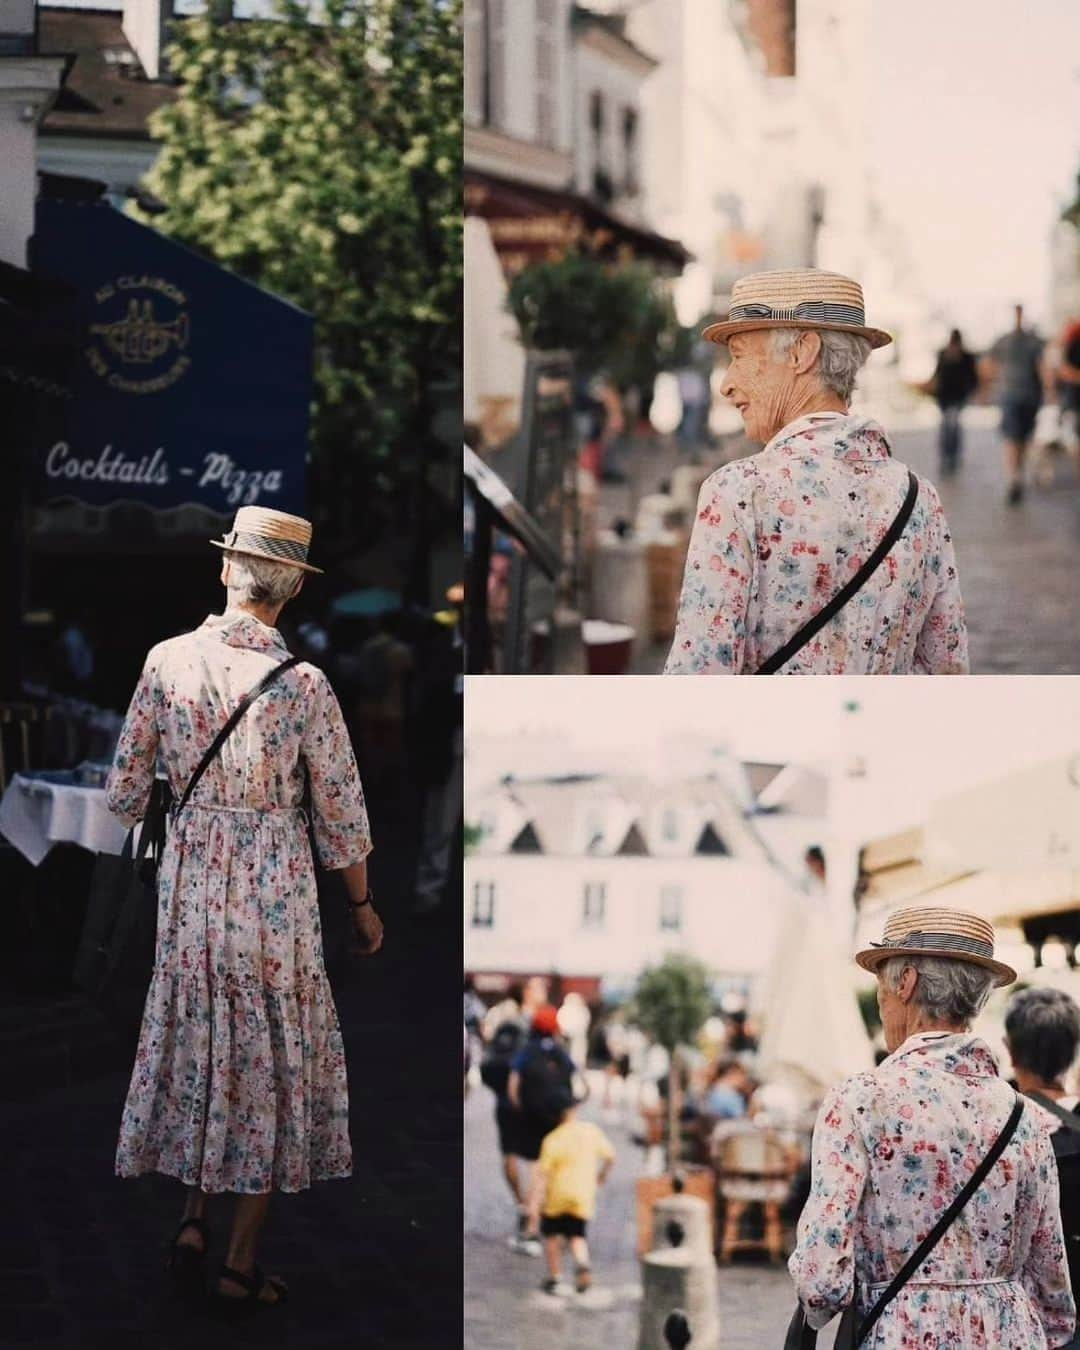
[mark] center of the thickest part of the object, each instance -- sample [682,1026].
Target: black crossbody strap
[230,726]
[1069,1119]
[927,1245]
[814,626]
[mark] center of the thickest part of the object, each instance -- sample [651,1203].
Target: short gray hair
[259,581]
[843,355]
[947,990]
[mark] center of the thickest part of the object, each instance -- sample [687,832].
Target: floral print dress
[777,535]
[892,1148]
[239,1080]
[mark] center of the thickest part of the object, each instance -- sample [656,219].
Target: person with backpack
[541,1074]
[505,1030]
[1042,1034]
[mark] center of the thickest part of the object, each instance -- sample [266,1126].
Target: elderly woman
[893,1148]
[239,1080]
[780,535]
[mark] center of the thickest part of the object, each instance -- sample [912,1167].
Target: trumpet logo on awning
[140,337]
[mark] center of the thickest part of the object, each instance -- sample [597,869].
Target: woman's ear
[806,351]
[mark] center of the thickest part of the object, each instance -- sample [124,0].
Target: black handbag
[814,626]
[116,951]
[851,1333]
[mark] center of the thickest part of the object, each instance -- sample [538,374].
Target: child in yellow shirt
[575,1158]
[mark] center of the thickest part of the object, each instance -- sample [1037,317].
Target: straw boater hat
[802,297]
[937,932]
[260,532]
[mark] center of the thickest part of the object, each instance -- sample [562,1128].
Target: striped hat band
[941,941]
[288,550]
[814,311]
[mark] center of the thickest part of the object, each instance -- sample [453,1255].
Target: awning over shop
[190,385]
[532,224]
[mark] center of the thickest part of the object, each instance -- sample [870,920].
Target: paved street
[372,1263]
[504,1307]
[1018,566]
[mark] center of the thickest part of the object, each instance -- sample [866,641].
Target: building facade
[593,877]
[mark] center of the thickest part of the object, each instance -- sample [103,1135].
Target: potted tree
[671,1004]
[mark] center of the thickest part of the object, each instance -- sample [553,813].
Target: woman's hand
[367,926]
[368,930]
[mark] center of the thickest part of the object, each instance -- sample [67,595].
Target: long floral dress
[891,1150]
[778,534]
[239,1081]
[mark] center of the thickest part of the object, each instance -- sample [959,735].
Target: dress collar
[957,1052]
[238,628]
[847,436]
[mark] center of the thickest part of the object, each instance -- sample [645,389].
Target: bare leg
[553,1252]
[579,1250]
[195,1207]
[247,1226]
[514,1179]
[1014,461]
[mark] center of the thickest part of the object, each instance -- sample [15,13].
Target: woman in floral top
[779,534]
[239,1080]
[892,1149]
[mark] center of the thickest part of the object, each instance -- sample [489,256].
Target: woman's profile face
[758,384]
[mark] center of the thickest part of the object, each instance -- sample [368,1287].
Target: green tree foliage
[616,318]
[672,1001]
[321,160]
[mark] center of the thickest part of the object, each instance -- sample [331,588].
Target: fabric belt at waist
[943,1284]
[249,810]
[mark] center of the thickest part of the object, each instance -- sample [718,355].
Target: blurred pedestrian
[814,858]
[1015,363]
[239,1081]
[1067,375]
[955,380]
[822,554]
[505,1030]
[383,665]
[541,1075]
[694,394]
[576,1158]
[574,1021]
[1042,1035]
[895,1147]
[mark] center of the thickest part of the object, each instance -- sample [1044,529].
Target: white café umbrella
[1027,821]
[814,1034]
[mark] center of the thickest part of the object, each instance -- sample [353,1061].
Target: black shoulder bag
[851,1333]
[116,951]
[813,626]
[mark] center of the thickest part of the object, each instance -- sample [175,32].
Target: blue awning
[190,385]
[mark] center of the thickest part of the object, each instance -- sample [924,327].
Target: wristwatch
[359,904]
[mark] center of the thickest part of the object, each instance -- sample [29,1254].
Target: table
[39,810]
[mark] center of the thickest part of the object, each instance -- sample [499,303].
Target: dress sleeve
[1046,1273]
[942,645]
[710,628]
[823,1262]
[127,789]
[339,814]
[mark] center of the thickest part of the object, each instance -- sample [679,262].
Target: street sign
[190,385]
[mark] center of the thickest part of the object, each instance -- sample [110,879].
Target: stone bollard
[683,1221]
[675,1279]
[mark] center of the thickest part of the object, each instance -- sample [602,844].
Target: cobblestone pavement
[373,1263]
[504,1307]
[1018,565]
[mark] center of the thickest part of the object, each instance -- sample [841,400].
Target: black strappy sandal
[228,1305]
[186,1264]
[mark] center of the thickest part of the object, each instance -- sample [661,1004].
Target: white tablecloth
[35,814]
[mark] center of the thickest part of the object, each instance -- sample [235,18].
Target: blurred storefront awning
[533,224]
[190,385]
